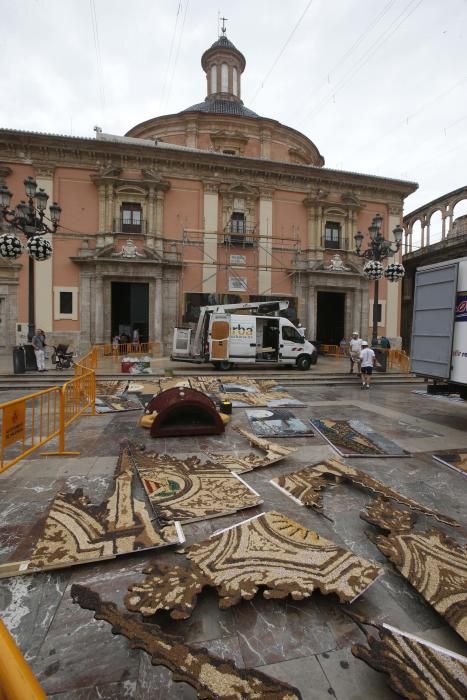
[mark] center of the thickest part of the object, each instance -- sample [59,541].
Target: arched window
[213,78]
[224,77]
[235,81]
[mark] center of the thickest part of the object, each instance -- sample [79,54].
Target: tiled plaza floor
[305,643]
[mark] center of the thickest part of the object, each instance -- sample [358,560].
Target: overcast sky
[380,86]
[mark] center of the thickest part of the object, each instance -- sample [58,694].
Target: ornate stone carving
[129,250]
[337,265]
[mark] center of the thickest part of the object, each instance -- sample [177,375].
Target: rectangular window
[237,222]
[238,284]
[66,303]
[332,235]
[131,218]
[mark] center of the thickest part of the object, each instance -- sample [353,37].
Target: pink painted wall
[77,195]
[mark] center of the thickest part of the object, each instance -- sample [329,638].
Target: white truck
[249,333]
[439,328]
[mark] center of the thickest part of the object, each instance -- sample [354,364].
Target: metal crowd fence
[29,422]
[395,359]
[17,681]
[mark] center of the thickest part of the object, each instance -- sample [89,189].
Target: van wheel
[223,365]
[303,362]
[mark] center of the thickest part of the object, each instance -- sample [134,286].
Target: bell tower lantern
[223,64]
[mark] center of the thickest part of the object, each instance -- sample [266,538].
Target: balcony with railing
[237,233]
[124,225]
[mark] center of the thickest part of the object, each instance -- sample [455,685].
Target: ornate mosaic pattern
[116,404]
[276,422]
[435,565]
[272,453]
[352,438]
[382,514]
[417,669]
[211,676]
[306,486]
[240,391]
[75,531]
[455,460]
[188,490]
[111,387]
[270,551]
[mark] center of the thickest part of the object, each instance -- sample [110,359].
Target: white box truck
[239,334]
[439,327]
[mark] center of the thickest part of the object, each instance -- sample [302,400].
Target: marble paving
[304,643]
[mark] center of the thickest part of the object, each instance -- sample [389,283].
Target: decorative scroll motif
[352,438]
[417,670]
[383,514]
[273,453]
[76,532]
[269,551]
[455,460]
[306,486]
[111,387]
[436,566]
[187,490]
[117,404]
[270,422]
[337,265]
[211,676]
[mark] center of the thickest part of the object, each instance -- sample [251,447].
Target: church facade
[214,203]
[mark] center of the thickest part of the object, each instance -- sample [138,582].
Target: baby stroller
[62,358]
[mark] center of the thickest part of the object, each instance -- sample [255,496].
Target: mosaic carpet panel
[111,387]
[417,669]
[306,485]
[435,565]
[455,460]
[270,551]
[75,531]
[188,490]
[246,463]
[241,391]
[116,404]
[352,438]
[211,676]
[277,423]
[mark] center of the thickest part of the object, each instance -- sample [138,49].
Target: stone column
[265,242]
[265,143]
[85,297]
[158,313]
[211,207]
[150,223]
[99,309]
[311,312]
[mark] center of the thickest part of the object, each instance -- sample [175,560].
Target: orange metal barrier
[28,423]
[17,681]
[31,421]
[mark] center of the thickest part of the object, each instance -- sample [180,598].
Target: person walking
[367,362]
[39,344]
[355,347]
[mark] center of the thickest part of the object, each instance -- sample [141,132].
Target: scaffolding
[228,256]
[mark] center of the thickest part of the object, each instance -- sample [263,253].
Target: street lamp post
[379,249]
[28,217]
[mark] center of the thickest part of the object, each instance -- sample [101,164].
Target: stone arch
[416,234]
[435,226]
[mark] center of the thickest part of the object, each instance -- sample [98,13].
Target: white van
[228,339]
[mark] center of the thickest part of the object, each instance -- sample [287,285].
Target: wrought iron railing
[122,225]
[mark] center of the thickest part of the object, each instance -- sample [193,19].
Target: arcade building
[215,203]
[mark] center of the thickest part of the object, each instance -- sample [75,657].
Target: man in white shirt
[355,347]
[367,361]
